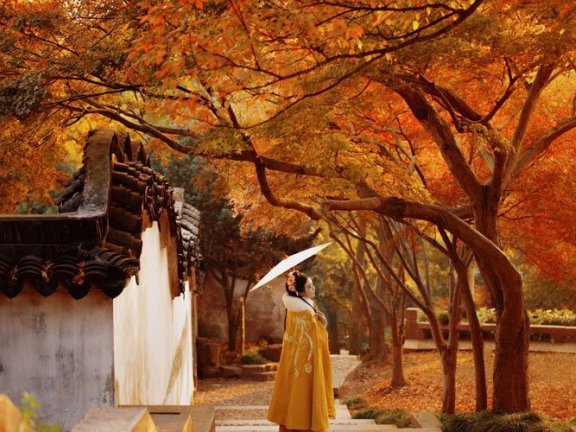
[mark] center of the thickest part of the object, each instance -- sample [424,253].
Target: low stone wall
[420,330]
[147,418]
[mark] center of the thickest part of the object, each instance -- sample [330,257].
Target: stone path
[241,405]
[258,422]
[535,346]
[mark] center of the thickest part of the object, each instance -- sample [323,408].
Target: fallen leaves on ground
[552,384]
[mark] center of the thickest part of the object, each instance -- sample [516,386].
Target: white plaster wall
[60,350]
[152,333]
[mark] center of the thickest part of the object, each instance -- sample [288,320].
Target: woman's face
[309,289]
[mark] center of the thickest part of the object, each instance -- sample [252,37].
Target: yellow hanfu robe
[303,397]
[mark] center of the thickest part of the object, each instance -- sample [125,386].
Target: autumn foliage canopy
[459,113]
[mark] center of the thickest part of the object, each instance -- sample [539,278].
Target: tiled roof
[188,221]
[95,240]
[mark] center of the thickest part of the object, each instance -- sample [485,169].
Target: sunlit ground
[552,389]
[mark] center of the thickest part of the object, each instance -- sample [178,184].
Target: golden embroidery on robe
[303,397]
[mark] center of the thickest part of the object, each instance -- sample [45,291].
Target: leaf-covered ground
[552,384]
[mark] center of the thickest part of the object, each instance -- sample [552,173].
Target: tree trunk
[448,361]
[232,329]
[228,285]
[233,314]
[334,336]
[447,353]
[378,350]
[354,341]
[511,359]
[450,353]
[242,326]
[377,337]
[476,339]
[396,331]
[361,305]
[510,378]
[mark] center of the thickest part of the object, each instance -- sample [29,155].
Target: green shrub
[356,403]
[443,317]
[487,421]
[366,413]
[456,423]
[252,357]
[563,317]
[398,417]
[486,316]
[30,407]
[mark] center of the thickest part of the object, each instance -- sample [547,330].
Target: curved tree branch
[452,100]
[442,135]
[539,147]
[542,77]
[400,208]
[274,200]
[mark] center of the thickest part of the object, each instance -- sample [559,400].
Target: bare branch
[149,130]
[274,200]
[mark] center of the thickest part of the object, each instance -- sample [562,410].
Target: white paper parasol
[289,262]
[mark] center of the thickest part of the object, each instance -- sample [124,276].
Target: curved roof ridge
[96,239]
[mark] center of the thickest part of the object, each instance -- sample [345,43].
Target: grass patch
[487,421]
[355,403]
[398,417]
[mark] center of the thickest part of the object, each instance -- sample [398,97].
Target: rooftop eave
[86,225]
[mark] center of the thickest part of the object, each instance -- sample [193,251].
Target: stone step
[333,428]
[337,402]
[170,418]
[263,422]
[246,412]
[260,376]
[240,407]
[425,420]
[342,423]
[339,407]
[230,371]
[342,412]
[425,429]
[267,367]
[116,419]
[259,411]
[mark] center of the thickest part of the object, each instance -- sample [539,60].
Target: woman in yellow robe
[303,397]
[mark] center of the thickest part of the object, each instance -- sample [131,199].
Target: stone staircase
[260,372]
[253,419]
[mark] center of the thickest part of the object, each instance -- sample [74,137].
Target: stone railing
[148,418]
[11,419]
[420,330]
